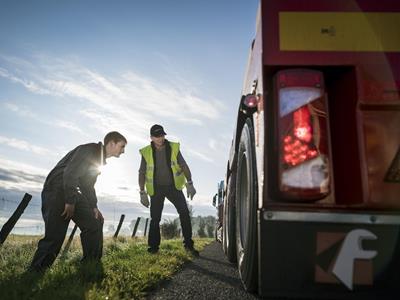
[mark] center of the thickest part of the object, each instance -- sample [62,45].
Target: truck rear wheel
[229,235]
[246,206]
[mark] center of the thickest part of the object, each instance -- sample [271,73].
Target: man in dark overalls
[69,193]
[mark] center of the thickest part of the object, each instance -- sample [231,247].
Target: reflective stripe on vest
[179,177]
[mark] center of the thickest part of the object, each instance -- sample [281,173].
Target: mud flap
[328,255]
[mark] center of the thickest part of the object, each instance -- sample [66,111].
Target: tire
[246,210]
[228,226]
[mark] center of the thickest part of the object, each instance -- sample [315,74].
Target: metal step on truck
[311,206]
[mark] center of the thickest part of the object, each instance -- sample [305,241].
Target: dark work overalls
[71,181]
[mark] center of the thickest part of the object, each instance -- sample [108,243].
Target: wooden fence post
[136,226]
[71,237]
[9,225]
[121,220]
[145,227]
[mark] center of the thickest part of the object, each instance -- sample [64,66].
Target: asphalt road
[209,276]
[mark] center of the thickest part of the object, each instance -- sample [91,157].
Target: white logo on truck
[350,251]
[341,258]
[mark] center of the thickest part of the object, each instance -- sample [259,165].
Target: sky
[71,71]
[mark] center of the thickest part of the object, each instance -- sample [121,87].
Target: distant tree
[202,226]
[170,229]
[210,225]
[210,229]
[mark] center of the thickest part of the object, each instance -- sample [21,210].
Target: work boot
[152,250]
[192,251]
[36,270]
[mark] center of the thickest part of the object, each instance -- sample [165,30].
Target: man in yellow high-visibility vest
[163,174]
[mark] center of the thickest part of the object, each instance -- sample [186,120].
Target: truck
[311,205]
[218,203]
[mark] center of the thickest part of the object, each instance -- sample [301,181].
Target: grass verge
[127,271]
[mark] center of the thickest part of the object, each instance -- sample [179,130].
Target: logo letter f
[350,251]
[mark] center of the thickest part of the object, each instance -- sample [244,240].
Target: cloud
[30,85]
[171,101]
[129,101]
[24,145]
[6,177]
[68,125]
[22,111]
[199,155]
[20,177]
[25,111]
[220,147]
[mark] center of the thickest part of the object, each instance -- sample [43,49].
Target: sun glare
[109,180]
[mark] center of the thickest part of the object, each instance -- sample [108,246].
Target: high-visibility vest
[179,177]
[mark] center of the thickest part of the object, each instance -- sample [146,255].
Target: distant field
[127,271]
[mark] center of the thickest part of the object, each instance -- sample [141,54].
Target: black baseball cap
[157,130]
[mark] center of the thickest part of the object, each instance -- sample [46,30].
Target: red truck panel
[363,88]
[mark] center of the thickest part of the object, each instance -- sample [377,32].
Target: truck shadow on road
[227,264]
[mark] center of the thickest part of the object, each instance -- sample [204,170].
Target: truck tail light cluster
[304,157]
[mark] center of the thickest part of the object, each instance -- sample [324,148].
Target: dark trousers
[56,228]
[157,204]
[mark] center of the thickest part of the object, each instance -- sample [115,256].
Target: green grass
[127,271]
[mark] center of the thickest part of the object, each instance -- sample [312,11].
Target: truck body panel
[363,82]
[355,47]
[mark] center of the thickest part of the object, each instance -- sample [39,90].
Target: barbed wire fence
[7,206]
[32,223]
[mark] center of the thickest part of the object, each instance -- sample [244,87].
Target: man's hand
[144,198]
[68,212]
[190,190]
[98,215]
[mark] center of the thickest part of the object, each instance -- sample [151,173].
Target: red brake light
[303,135]
[250,101]
[302,124]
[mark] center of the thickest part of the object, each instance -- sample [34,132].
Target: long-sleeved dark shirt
[76,174]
